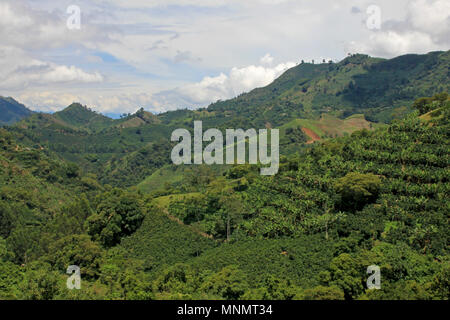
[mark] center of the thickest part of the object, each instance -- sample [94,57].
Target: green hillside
[167,174]
[98,144]
[79,116]
[34,189]
[372,197]
[377,88]
[329,126]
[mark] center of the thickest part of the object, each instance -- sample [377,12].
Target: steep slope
[12,111]
[33,189]
[329,126]
[375,197]
[377,88]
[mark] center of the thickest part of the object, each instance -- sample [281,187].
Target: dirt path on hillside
[314,137]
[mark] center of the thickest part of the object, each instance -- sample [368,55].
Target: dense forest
[370,187]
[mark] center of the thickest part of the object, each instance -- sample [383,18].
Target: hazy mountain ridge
[12,111]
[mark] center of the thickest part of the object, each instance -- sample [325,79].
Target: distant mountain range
[380,89]
[12,111]
[308,102]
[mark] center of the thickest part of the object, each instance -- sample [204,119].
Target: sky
[120,55]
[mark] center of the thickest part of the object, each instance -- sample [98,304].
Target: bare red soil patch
[314,137]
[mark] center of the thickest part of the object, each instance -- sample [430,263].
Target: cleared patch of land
[329,126]
[311,134]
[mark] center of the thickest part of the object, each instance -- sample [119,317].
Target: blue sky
[167,54]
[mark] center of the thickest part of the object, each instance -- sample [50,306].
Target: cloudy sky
[169,54]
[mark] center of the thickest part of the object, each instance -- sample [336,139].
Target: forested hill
[378,88]
[12,111]
[79,116]
[370,198]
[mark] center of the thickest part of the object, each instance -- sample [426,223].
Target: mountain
[12,111]
[309,102]
[104,146]
[140,118]
[380,89]
[79,116]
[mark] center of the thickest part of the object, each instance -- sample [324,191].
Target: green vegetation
[118,215]
[376,88]
[79,116]
[308,102]
[77,188]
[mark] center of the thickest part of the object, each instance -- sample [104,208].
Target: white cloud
[197,3]
[267,59]
[68,74]
[223,86]
[132,53]
[432,17]
[51,101]
[20,71]
[391,43]
[426,28]
[46,101]
[24,27]
[200,94]
[24,31]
